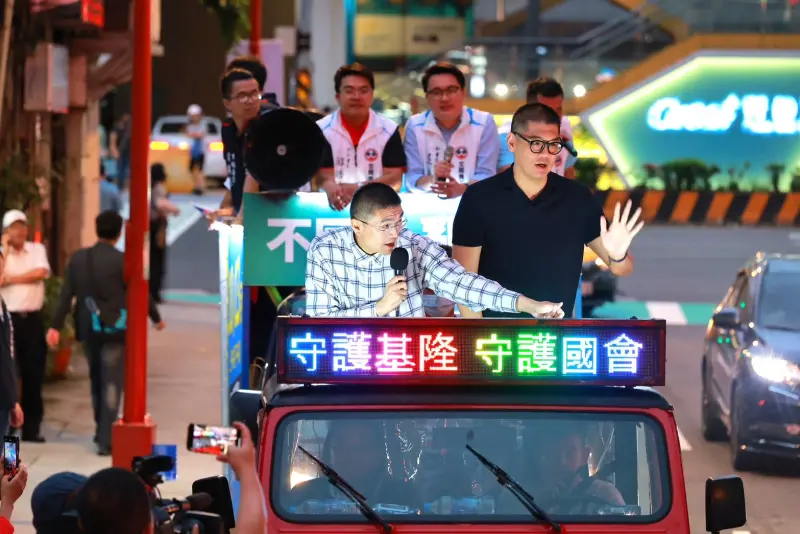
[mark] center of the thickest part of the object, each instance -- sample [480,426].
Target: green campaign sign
[737,116]
[277,233]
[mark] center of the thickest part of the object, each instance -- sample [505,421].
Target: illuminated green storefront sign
[736,116]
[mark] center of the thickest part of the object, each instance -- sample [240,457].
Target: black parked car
[751,363]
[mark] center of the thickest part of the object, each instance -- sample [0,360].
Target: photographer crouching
[117,501]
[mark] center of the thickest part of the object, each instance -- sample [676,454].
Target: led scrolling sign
[460,351]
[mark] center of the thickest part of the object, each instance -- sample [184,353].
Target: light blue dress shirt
[486,161]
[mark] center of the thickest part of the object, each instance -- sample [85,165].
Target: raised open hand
[618,236]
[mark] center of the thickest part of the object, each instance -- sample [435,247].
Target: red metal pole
[255,27]
[134,434]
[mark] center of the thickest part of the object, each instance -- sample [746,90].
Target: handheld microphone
[399,262]
[571,148]
[196,501]
[448,157]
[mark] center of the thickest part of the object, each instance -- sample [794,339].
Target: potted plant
[58,358]
[588,171]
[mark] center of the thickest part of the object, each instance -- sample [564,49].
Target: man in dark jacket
[10,410]
[95,278]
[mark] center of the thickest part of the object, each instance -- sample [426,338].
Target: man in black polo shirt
[526,227]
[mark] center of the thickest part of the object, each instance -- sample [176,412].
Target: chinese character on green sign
[277,233]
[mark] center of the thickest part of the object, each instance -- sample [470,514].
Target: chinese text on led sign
[534,352]
[757,114]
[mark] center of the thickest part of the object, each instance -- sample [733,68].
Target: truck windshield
[414,467]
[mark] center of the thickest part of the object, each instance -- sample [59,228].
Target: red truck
[461,425]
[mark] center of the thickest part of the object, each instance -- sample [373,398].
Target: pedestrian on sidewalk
[110,197]
[119,148]
[10,410]
[22,290]
[95,279]
[161,209]
[196,129]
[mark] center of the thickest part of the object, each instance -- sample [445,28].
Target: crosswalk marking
[685,446]
[670,311]
[179,224]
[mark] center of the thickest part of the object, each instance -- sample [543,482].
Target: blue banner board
[172,452]
[234,318]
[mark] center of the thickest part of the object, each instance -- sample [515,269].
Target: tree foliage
[234,19]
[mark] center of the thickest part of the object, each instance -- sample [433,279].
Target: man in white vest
[470,133]
[549,92]
[363,146]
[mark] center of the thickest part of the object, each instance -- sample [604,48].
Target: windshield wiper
[515,489]
[342,485]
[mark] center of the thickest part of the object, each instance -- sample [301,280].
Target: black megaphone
[283,149]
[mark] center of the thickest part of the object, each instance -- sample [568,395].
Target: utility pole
[303,93]
[532,31]
[256,21]
[135,433]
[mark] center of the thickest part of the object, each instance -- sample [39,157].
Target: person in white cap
[196,130]
[22,289]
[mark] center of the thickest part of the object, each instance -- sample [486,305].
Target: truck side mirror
[727,318]
[244,406]
[257,373]
[725,506]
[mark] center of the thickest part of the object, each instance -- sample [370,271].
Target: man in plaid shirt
[349,275]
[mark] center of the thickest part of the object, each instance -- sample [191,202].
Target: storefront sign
[91,11]
[739,116]
[278,233]
[407,28]
[755,114]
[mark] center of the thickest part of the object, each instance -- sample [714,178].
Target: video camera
[209,510]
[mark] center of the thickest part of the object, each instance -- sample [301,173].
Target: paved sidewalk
[183,388]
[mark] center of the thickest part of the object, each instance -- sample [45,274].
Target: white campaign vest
[566,134]
[465,141]
[357,165]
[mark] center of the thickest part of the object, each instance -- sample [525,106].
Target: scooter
[598,285]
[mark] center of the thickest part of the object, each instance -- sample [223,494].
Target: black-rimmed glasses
[537,145]
[244,98]
[388,227]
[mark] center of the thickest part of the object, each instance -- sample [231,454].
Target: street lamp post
[135,433]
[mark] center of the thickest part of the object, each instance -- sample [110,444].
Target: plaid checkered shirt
[344,281]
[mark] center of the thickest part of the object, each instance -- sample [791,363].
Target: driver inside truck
[356,449]
[562,484]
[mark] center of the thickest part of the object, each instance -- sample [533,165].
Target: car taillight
[159,145]
[215,146]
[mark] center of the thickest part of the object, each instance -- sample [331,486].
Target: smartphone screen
[10,455]
[207,439]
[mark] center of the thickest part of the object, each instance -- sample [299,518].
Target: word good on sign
[454,352]
[757,115]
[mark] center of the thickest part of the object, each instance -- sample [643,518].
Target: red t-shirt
[355,132]
[5,526]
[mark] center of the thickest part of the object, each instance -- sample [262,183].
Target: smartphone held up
[207,439]
[10,455]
